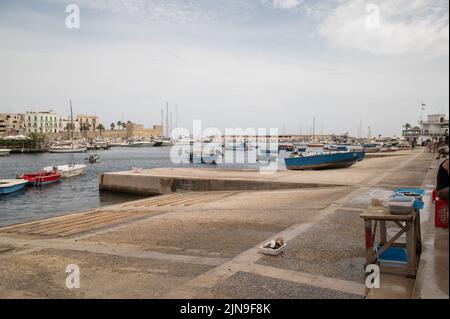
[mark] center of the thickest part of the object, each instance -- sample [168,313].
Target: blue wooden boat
[8,186]
[323,160]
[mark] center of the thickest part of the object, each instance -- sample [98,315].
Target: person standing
[442,185]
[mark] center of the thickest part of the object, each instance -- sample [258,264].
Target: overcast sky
[234,63]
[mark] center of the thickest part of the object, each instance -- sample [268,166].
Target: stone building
[12,124]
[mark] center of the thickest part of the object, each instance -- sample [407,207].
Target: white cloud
[286,4]
[406,27]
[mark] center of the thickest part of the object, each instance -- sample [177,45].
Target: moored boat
[92,159]
[67,171]
[8,186]
[67,149]
[286,147]
[267,155]
[41,178]
[140,144]
[333,147]
[315,145]
[4,152]
[201,158]
[316,161]
[158,143]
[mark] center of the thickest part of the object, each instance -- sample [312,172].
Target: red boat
[41,178]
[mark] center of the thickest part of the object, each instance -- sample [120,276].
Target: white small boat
[140,144]
[8,186]
[119,144]
[67,149]
[4,152]
[267,155]
[67,171]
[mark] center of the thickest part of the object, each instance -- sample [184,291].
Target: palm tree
[112,126]
[69,126]
[84,127]
[100,128]
[407,126]
[119,125]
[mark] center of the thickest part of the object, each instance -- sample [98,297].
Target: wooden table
[409,224]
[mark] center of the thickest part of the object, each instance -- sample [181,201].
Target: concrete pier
[160,181]
[200,238]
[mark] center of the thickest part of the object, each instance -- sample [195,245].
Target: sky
[235,63]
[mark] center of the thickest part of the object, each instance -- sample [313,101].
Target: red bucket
[441,213]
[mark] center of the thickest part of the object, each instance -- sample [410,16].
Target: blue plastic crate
[393,255]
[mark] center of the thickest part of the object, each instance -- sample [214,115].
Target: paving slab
[226,227]
[41,274]
[411,174]
[244,285]
[333,248]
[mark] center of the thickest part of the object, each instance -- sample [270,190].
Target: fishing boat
[339,148]
[92,159]
[119,144]
[316,161]
[299,147]
[4,152]
[41,178]
[286,147]
[140,144]
[315,145]
[372,148]
[67,171]
[201,158]
[158,143]
[67,149]
[8,186]
[358,149]
[267,155]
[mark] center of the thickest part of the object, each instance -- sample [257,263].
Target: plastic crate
[441,213]
[396,255]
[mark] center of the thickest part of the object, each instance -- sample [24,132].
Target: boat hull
[203,159]
[137,144]
[324,161]
[4,152]
[8,187]
[67,171]
[42,178]
[72,173]
[67,150]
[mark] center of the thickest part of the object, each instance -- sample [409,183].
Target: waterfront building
[42,122]
[138,130]
[88,122]
[12,124]
[435,126]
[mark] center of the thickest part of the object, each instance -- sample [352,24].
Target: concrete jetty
[199,237]
[160,181]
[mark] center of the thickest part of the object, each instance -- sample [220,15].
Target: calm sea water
[78,193]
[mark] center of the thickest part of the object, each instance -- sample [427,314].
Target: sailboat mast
[71,121]
[314,128]
[167,120]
